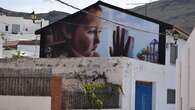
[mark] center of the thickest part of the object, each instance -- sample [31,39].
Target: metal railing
[25,85]
[150,53]
[76,100]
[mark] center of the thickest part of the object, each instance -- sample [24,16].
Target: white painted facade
[129,71]
[25,103]
[26,26]
[170,69]
[149,72]
[29,50]
[1,47]
[186,76]
[126,73]
[163,77]
[18,28]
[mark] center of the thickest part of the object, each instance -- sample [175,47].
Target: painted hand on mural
[120,48]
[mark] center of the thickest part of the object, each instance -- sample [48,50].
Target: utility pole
[34,18]
[146,7]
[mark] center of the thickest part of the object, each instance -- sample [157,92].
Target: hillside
[52,16]
[177,12]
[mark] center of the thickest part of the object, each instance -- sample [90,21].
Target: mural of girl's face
[85,39]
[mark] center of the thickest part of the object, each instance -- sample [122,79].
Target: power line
[68,5]
[146,5]
[136,3]
[84,11]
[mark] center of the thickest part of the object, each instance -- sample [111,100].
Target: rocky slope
[177,12]
[52,16]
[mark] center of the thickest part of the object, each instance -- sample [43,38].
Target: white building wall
[24,34]
[170,69]
[1,47]
[180,43]
[29,50]
[24,24]
[186,76]
[192,70]
[163,77]
[122,71]
[25,103]
[149,72]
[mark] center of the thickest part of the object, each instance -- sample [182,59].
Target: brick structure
[56,92]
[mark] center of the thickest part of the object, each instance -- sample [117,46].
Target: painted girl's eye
[99,31]
[92,30]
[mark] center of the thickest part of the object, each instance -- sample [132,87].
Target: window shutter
[173,53]
[15,28]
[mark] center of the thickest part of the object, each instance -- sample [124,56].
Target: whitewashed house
[186,75]
[151,84]
[157,80]
[148,84]
[19,25]
[20,29]
[162,78]
[1,46]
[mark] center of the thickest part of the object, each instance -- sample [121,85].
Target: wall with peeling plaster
[123,71]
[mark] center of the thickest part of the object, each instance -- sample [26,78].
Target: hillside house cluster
[17,29]
[86,44]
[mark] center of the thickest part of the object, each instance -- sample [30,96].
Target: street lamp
[34,18]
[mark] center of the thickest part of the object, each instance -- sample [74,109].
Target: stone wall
[123,71]
[69,67]
[113,68]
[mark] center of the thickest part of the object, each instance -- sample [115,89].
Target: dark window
[173,53]
[6,28]
[171,96]
[15,28]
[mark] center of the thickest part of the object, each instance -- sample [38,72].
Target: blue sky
[41,6]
